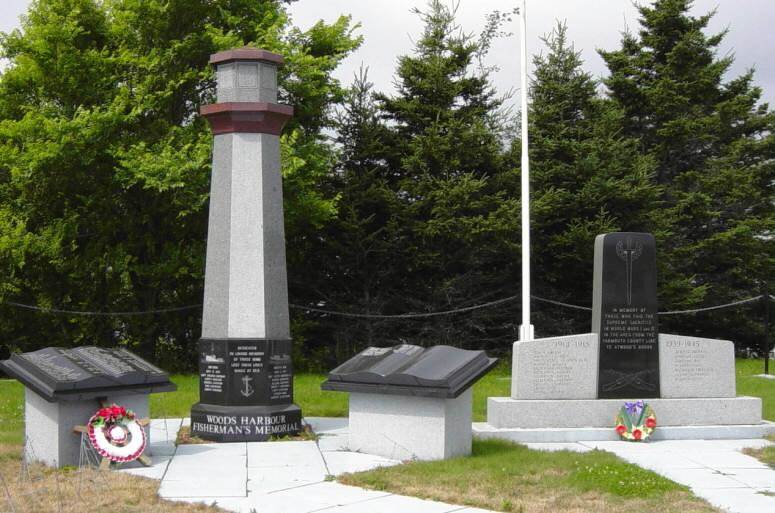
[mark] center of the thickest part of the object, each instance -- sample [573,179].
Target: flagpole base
[526,332]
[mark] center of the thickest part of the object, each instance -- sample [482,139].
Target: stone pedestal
[49,425]
[555,384]
[246,373]
[410,428]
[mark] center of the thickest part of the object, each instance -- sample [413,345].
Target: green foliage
[425,223]
[713,145]
[104,162]
[394,203]
[586,178]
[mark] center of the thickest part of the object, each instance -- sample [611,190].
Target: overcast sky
[388,27]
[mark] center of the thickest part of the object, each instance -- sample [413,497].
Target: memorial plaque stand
[245,368]
[567,389]
[408,402]
[64,388]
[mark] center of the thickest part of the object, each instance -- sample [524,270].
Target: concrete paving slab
[694,446]
[741,500]
[394,504]
[265,480]
[165,429]
[348,462]
[211,486]
[701,478]
[163,448]
[726,459]
[212,449]
[333,442]
[328,424]
[761,479]
[155,471]
[307,499]
[558,446]
[283,454]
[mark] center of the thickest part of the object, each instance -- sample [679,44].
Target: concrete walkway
[282,477]
[296,477]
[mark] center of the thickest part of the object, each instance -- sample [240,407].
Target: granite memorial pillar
[246,374]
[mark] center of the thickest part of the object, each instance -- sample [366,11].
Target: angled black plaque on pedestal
[438,371]
[87,372]
[624,315]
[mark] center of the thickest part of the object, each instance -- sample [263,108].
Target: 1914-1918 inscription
[624,315]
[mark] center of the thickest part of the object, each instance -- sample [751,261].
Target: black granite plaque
[58,374]
[624,315]
[245,372]
[438,371]
[245,390]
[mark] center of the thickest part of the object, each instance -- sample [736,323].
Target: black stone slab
[624,315]
[438,371]
[58,374]
[245,372]
[244,423]
[245,391]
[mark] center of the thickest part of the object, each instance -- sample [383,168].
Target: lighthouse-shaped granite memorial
[570,388]
[245,369]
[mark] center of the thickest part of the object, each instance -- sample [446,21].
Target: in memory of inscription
[624,315]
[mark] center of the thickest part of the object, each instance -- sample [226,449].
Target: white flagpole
[526,329]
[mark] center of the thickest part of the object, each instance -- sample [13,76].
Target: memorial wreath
[116,434]
[636,421]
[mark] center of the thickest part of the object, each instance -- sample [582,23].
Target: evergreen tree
[447,151]
[356,263]
[713,145]
[104,161]
[586,179]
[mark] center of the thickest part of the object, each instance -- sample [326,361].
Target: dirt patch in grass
[511,478]
[766,454]
[40,489]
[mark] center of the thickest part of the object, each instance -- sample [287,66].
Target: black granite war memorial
[438,371]
[624,315]
[87,372]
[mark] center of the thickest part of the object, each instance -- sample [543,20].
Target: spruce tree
[447,150]
[712,141]
[586,179]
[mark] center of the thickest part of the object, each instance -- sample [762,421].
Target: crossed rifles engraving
[629,254]
[623,379]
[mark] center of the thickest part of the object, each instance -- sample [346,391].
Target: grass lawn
[508,477]
[748,384]
[766,455]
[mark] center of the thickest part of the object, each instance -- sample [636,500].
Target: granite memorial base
[64,388]
[409,402]
[49,426]
[410,428]
[555,386]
